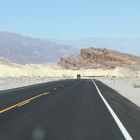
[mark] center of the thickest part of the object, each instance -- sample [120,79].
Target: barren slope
[93,58]
[26,50]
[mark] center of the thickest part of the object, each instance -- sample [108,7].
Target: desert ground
[127,87]
[125,81]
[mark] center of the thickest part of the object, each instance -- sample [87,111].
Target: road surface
[67,110]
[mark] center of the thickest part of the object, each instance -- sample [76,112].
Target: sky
[71,19]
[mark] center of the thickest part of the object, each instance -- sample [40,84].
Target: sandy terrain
[125,86]
[11,82]
[54,70]
[14,75]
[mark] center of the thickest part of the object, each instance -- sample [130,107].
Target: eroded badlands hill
[93,58]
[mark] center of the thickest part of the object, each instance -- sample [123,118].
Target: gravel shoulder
[12,82]
[127,87]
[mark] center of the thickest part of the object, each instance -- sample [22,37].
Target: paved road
[67,110]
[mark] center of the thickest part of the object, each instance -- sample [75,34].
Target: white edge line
[117,120]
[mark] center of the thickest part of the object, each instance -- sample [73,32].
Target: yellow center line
[23,102]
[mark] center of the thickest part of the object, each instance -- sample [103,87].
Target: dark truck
[78,76]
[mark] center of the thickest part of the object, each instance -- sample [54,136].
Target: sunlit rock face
[94,58]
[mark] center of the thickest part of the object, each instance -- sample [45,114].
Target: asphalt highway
[67,110]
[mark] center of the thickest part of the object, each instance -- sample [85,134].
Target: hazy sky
[71,19]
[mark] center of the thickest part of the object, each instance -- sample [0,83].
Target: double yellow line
[23,102]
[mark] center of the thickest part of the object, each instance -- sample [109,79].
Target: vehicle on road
[78,76]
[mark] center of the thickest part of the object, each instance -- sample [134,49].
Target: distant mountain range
[130,46]
[24,50]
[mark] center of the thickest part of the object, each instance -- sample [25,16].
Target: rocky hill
[25,50]
[94,58]
[6,62]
